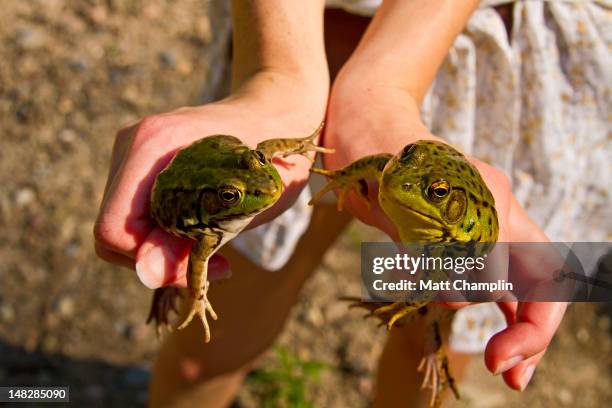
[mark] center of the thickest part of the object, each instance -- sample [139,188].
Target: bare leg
[254,304]
[398,383]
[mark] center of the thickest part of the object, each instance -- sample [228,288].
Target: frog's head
[434,194]
[242,187]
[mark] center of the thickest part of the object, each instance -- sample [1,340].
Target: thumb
[162,260]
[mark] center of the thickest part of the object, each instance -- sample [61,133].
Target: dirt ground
[71,73]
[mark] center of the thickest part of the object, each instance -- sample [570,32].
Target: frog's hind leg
[197,280]
[352,177]
[435,368]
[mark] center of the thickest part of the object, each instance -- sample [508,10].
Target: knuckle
[155,124]
[101,252]
[102,233]
[154,127]
[148,128]
[109,235]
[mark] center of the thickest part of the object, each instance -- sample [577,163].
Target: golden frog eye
[253,159]
[438,190]
[229,195]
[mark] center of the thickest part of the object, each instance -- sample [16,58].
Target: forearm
[279,36]
[407,41]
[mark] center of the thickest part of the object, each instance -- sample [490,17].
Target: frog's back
[206,159]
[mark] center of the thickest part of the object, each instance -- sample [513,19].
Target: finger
[509,311]
[456,305]
[536,323]
[519,376]
[113,257]
[124,221]
[162,260]
[120,147]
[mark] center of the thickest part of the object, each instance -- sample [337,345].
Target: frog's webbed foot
[288,146]
[345,184]
[307,144]
[352,177]
[199,306]
[163,302]
[392,313]
[437,376]
[388,313]
[356,302]
[434,365]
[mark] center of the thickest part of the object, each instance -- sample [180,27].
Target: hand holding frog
[389,128]
[125,232]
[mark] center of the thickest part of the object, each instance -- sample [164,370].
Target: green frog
[210,192]
[433,195]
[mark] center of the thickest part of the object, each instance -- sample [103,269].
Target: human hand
[367,117]
[263,108]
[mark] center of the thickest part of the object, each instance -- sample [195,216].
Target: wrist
[307,86]
[270,104]
[368,116]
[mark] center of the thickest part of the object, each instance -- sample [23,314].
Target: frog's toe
[310,146]
[199,307]
[164,301]
[437,376]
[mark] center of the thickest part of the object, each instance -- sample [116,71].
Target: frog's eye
[229,195]
[260,157]
[438,190]
[253,159]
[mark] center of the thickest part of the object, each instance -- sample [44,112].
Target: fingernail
[150,268]
[526,377]
[508,364]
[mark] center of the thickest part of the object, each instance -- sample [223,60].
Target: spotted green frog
[433,195]
[210,192]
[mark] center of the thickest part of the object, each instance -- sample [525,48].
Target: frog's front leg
[352,177]
[434,365]
[197,281]
[287,146]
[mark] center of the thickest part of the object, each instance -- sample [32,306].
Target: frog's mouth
[414,225]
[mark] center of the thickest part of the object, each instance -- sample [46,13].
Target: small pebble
[7,313]
[365,385]
[184,68]
[203,30]
[603,323]
[65,307]
[65,106]
[315,317]
[24,197]
[49,344]
[583,335]
[167,59]
[67,136]
[77,65]
[336,310]
[31,38]
[565,396]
